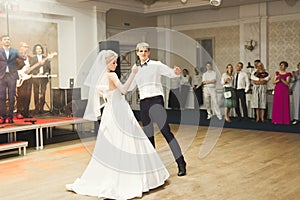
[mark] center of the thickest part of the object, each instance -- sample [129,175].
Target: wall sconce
[215,2]
[250,44]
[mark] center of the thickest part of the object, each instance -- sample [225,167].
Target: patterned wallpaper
[226,44]
[284,44]
[251,32]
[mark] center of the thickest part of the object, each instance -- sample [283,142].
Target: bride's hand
[134,69]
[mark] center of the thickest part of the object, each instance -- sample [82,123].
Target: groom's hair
[142,45]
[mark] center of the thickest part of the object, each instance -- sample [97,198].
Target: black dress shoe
[10,120]
[182,169]
[27,116]
[2,121]
[246,118]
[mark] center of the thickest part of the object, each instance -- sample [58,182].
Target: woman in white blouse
[185,85]
[197,87]
[227,82]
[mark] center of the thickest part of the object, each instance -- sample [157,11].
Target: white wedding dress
[124,163]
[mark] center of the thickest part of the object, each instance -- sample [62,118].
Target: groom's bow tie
[145,63]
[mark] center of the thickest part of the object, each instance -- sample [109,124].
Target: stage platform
[38,125]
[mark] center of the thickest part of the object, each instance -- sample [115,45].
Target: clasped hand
[177,70]
[134,69]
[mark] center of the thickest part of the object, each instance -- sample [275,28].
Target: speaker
[71,82]
[78,107]
[62,97]
[115,46]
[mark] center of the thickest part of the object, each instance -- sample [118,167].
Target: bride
[124,163]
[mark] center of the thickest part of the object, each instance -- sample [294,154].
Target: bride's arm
[124,87]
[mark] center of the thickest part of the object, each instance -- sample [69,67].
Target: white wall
[77,33]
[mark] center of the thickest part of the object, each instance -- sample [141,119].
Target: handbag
[227,94]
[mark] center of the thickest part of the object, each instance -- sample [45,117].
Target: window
[204,53]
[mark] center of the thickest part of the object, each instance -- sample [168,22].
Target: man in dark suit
[8,78]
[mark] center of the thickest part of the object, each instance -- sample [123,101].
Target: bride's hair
[110,55]
[97,82]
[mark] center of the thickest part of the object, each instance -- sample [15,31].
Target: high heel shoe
[227,120]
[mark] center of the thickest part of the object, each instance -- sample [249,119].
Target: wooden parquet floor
[244,165]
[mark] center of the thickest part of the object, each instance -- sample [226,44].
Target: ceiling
[158,7]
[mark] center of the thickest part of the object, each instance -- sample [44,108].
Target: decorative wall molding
[206,25]
[284,18]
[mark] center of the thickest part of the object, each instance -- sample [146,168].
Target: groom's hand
[177,70]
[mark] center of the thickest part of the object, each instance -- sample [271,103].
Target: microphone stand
[50,92]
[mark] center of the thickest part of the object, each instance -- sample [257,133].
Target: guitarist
[24,91]
[40,84]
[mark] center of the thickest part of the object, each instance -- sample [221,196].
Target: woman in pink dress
[281,102]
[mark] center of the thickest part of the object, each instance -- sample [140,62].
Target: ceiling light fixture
[215,2]
[183,1]
[148,2]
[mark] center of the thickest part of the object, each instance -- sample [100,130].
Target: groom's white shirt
[148,79]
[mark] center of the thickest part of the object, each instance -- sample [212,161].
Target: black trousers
[184,90]
[173,99]
[241,97]
[23,98]
[153,111]
[7,85]
[39,90]
[198,98]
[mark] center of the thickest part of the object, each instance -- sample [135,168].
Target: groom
[148,81]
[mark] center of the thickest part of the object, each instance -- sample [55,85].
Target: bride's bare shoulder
[112,76]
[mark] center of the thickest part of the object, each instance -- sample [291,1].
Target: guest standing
[197,87]
[229,93]
[260,78]
[242,86]
[40,84]
[8,78]
[296,94]
[174,94]
[185,85]
[281,101]
[25,89]
[209,79]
